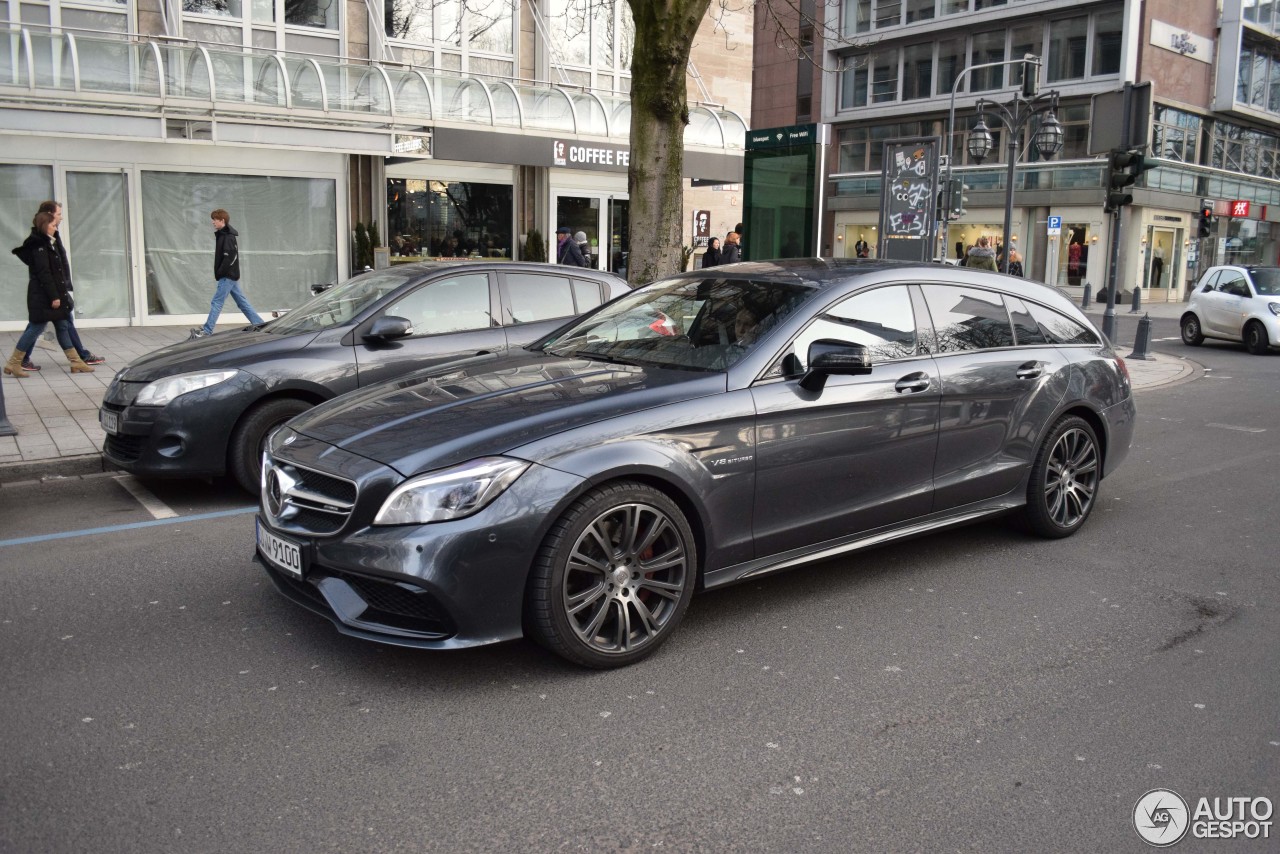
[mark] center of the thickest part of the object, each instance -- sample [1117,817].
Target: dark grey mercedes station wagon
[581,489]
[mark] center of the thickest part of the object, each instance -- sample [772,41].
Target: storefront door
[1163,260]
[594,216]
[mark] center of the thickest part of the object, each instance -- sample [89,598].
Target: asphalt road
[977,690]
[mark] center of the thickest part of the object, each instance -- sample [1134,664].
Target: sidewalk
[56,412]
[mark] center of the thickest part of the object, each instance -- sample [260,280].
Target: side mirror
[388,327]
[834,357]
[319,289]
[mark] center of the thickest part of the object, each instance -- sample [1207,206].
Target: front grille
[306,500]
[391,597]
[126,449]
[393,607]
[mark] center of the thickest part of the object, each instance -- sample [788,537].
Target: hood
[432,420]
[227,229]
[982,252]
[240,349]
[24,251]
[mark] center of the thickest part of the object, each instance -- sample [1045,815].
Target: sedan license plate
[110,421]
[282,553]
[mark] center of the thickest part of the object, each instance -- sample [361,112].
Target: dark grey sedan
[204,407]
[582,489]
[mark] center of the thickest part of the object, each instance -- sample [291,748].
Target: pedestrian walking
[741,231]
[982,256]
[55,208]
[732,252]
[567,251]
[48,297]
[584,247]
[226,270]
[712,257]
[1015,263]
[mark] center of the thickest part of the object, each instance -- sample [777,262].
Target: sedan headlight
[162,391]
[452,493]
[1275,307]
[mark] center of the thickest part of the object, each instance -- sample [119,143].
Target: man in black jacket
[567,251]
[226,269]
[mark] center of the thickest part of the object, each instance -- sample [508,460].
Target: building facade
[451,128]
[885,69]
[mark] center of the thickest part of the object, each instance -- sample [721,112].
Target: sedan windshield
[339,304]
[1266,280]
[690,324]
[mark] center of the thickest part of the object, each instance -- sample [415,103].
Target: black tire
[590,597]
[244,457]
[1255,338]
[1063,486]
[1191,334]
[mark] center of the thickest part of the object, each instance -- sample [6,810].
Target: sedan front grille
[303,499]
[125,449]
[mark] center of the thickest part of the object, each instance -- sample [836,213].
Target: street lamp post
[1015,116]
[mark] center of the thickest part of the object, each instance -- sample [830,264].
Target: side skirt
[844,545]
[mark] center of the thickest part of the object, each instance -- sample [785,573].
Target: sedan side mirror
[834,357]
[388,327]
[319,289]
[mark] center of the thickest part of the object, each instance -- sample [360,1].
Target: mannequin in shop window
[1075,252]
[1157,266]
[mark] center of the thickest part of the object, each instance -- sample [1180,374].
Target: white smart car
[1235,304]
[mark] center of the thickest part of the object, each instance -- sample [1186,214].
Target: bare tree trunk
[665,30]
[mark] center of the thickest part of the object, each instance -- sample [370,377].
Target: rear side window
[1060,329]
[535,297]
[1025,329]
[967,319]
[586,295]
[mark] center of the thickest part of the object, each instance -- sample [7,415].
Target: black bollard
[6,429]
[1136,305]
[1088,292]
[1142,340]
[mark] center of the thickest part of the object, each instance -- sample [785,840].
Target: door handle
[912,383]
[1030,371]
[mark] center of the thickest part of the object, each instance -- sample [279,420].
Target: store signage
[1182,42]
[407,143]
[1239,208]
[701,228]
[572,154]
[782,137]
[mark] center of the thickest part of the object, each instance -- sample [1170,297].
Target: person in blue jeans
[226,269]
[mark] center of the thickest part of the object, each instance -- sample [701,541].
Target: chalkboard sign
[909,197]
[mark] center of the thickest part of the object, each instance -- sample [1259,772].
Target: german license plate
[110,421]
[282,553]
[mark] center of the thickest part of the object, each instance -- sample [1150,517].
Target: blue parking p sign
[1055,225]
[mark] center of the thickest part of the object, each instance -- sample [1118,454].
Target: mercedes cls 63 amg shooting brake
[581,489]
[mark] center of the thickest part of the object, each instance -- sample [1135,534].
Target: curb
[28,470]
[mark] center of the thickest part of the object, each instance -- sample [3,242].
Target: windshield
[338,304]
[1266,280]
[689,324]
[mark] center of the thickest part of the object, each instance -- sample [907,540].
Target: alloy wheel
[1071,477]
[625,578]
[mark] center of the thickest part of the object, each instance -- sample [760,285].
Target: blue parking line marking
[110,529]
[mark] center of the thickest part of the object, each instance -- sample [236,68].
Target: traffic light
[958,199]
[1123,168]
[1205,227]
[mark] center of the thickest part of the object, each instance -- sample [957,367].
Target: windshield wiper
[593,356]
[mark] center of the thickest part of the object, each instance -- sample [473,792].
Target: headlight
[162,391]
[1275,307]
[451,493]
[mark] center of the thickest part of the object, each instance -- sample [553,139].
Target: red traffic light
[1206,212]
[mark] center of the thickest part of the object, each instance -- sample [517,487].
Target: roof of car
[425,267]
[830,272]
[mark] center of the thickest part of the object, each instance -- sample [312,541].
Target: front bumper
[443,585]
[188,437]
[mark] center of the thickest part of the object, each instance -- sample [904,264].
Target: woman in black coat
[712,258]
[48,296]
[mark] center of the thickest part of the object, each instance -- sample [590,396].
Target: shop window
[287,227]
[22,189]
[448,219]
